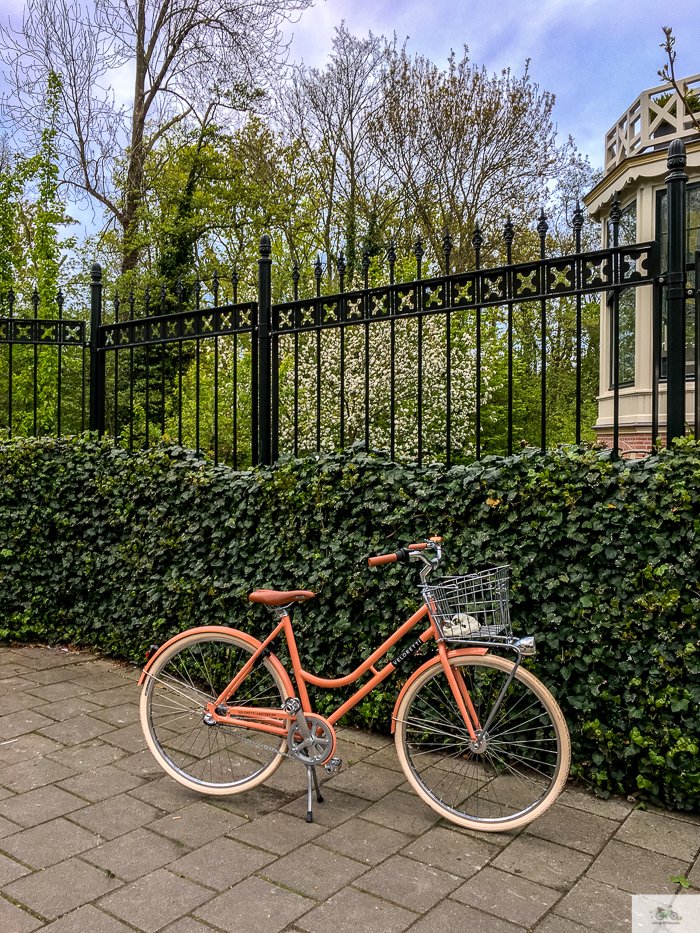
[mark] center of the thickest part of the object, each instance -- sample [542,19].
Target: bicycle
[480,739]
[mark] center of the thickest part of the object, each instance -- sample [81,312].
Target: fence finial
[676,158]
[265,246]
[391,256]
[447,249]
[318,272]
[96,272]
[477,240]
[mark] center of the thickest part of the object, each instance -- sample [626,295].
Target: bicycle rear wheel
[217,758]
[521,766]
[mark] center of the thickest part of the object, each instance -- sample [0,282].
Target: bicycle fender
[458,652]
[253,642]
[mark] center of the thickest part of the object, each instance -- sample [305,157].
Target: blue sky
[595,55]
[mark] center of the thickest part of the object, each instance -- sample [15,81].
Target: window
[627,234]
[692,221]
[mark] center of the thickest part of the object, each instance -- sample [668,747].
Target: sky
[594,55]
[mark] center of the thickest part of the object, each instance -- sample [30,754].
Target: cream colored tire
[504,786]
[212,759]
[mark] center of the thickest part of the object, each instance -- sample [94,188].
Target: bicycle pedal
[333,766]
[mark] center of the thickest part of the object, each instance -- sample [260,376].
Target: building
[635,170]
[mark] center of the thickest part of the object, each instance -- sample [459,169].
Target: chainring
[318,748]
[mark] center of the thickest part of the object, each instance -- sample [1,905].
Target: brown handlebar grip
[417,547]
[382,559]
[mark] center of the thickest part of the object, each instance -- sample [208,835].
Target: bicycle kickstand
[311,776]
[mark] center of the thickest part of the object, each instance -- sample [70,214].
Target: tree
[668,73]
[182,52]
[329,112]
[464,147]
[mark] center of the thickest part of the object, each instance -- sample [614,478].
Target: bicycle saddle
[280,597]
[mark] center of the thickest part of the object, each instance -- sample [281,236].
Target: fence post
[264,355]
[97,362]
[676,290]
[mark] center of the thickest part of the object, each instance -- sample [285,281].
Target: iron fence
[447,367]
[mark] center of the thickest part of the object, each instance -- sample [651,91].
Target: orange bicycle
[481,740]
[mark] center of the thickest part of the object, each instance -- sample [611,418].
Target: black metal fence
[447,367]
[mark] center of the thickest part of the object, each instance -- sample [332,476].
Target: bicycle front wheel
[216,758]
[505,780]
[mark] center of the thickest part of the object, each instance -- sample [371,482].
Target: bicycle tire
[525,762]
[213,759]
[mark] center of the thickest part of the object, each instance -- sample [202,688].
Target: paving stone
[102,680]
[257,802]
[385,758]
[61,888]
[314,872]
[657,832]
[335,809]
[101,783]
[555,924]
[17,701]
[543,862]
[55,675]
[49,843]
[597,906]
[368,739]
[116,696]
[499,840]
[573,828]
[166,794]
[75,731]
[26,747]
[116,816]
[694,875]
[368,781]
[366,842]
[452,852]
[507,896]
[87,919]
[636,870]
[54,693]
[350,753]
[130,738]
[408,883]
[89,756]
[197,824]
[40,806]
[135,854]
[21,722]
[350,911]
[142,764]
[155,900]
[290,778]
[254,906]
[451,917]
[15,920]
[614,808]
[221,863]
[188,925]
[67,709]
[36,772]
[277,832]
[8,828]
[405,812]
[124,715]
[11,870]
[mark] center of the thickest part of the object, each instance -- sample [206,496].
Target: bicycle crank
[311,739]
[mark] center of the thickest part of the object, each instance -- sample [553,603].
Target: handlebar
[404,553]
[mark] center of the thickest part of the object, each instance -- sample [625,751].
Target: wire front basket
[471,607]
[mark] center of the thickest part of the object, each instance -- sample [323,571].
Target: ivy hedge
[99,547]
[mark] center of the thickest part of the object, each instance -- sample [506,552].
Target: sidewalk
[94,838]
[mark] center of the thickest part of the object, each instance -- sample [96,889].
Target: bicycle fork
[464,700]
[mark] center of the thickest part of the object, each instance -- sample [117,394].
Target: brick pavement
[94,838]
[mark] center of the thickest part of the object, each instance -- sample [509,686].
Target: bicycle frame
[277,722]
